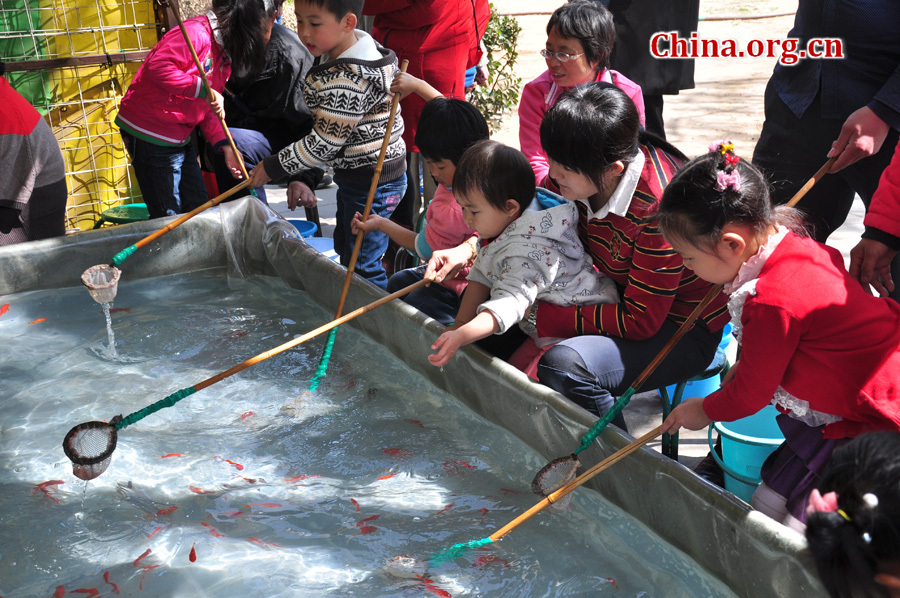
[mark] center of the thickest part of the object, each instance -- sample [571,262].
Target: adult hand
[689,414]
[259,176]
[445,264]
[870,264]
[299,194]
[481,75]
[861,136]
[232,162]
[217,103]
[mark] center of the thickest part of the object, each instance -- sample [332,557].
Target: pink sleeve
[531,111]
[884,210]
[446,226]
[633,91]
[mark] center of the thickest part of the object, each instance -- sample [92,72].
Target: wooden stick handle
[209,90]
[587,475]
[811,182]
[214,201]
[311,334]
[395,101]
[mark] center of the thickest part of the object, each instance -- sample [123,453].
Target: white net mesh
[102,282]
[90,446]
[554,476]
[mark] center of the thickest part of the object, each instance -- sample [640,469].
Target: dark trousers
[592,370]
[253,146]
[790,150]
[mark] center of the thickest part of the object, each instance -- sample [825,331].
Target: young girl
[447,128]
[852,526]
[813,342]
[580,38]
[530,249]
[167,99]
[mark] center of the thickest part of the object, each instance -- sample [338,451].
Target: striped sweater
[631,250]
[350,102]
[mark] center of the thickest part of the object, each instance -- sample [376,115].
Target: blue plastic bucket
[701,388]
[745,445]
[306,228]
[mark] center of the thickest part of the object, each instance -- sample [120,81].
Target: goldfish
[238,466]
[196,490]
[42,487]
[414,421]
[193,556]
[398,452]
[366,529]
[355,504]
[171,455]
[429,585]
[115,588]
[153,533]
[4,308]
[144,555]
[167,511]
[211,529]
[38,321]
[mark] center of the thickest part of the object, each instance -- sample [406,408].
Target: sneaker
[325,182]
[710,471]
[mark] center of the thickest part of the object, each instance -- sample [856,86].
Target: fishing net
[102,282]
[405,567]
[89,446]
[554,476]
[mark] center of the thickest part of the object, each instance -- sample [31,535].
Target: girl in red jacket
[813,342]
[167,100]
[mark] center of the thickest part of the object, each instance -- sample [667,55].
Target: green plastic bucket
[745,445]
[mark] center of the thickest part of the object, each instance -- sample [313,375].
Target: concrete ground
[726,103]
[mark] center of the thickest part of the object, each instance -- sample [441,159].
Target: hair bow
[728,180]
[731,160]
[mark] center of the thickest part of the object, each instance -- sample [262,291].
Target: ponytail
[241,26]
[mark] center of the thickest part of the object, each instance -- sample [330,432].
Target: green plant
[501,94]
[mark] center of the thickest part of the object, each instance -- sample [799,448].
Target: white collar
[620,200]
[364,48]
[752,267]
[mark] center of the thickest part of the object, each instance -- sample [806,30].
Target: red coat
[884,210]
[814,331]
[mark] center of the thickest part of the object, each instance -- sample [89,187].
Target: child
[852,529]
[580,38]
[530,249]
[813,342]
[348,95]
[447,128]
[167,100]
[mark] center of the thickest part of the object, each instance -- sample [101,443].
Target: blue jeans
[435,300]
[351,198]
[592,370]
[169,177]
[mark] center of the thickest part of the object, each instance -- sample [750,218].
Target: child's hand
[689,414]
[216,102]
[446,346]
[232,162]
[259,175]
[366,226]
[299,194]
[405,84]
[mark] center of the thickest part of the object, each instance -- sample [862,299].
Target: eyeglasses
[560,56]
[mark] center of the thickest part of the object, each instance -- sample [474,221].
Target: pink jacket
[539,95]
[446,228]
[166,99]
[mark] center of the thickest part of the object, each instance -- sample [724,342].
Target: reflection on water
[257,487]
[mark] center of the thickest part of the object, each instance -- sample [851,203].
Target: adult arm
[445,264]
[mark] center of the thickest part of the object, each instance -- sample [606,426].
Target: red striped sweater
[630,249]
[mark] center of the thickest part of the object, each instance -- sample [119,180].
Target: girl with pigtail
[813,342]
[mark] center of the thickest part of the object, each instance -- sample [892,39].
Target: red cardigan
[814,331]
[652,279]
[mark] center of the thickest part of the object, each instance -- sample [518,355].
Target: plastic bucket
[745,445]
[306,228]
[701,388]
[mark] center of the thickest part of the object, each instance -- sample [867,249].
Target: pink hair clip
[728,180]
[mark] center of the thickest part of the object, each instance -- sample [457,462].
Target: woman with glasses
[580,38]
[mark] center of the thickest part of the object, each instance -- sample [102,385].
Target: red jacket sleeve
[884,210]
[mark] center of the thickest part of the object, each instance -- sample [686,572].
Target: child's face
[442,171]
[321,31]
[710,264]
[573,72]
[572,185]
[483,217]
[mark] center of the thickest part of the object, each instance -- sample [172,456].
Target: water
[111,335]
[275,490]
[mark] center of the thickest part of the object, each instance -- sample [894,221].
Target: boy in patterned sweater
[348,94]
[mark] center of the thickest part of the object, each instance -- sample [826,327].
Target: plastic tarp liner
[751,553]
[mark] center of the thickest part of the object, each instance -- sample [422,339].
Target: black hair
[2,67]
[590,23]
[592,126]
[694,207]
[448,127]
[339,8]
[241,25]
[498,172]
[848,551]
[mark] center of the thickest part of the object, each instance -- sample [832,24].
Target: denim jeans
[351,198]
[435,300]
[169,177]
